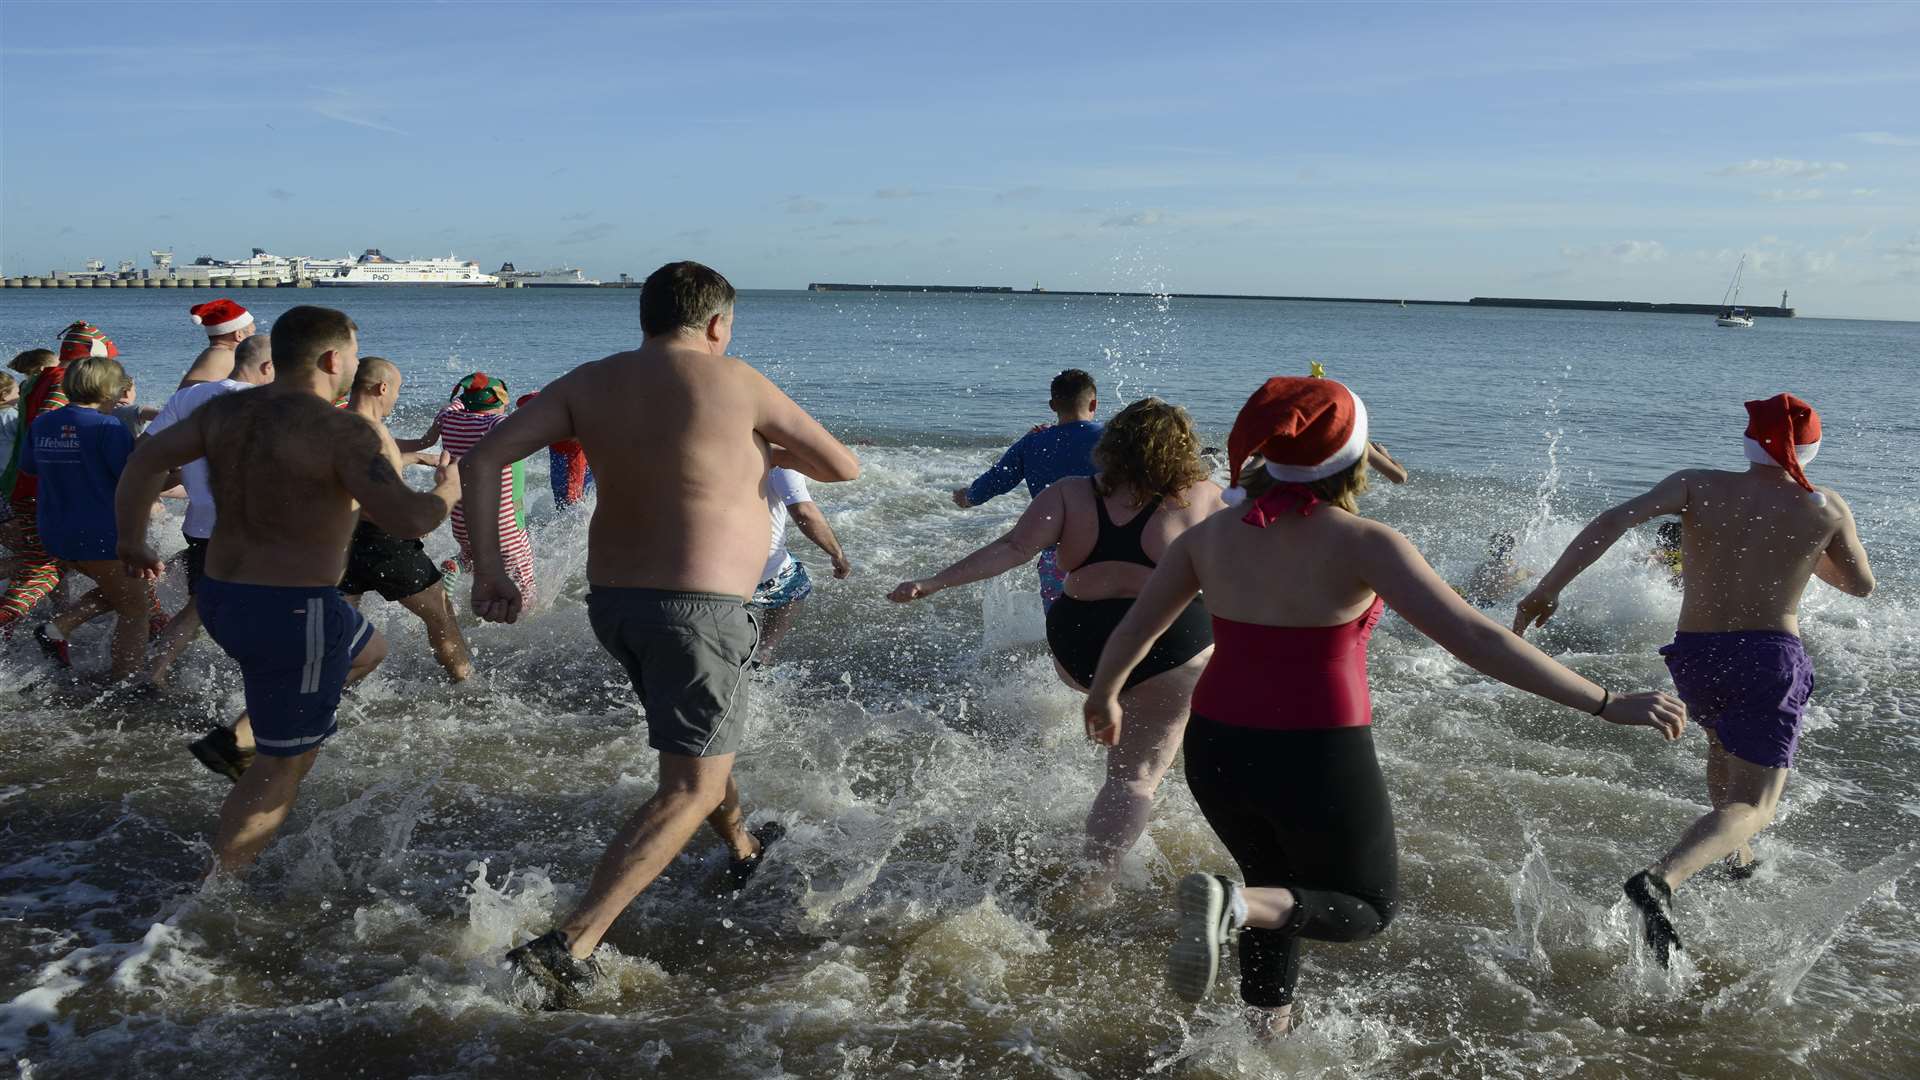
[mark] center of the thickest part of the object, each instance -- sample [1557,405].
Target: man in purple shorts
[1751,541]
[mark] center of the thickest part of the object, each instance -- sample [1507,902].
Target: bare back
[214,363]
[273,458]
[679,466]
[1080,527]
[1298,571]
[1751,542]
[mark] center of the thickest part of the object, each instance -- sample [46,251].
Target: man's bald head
[253,355]
[375,370]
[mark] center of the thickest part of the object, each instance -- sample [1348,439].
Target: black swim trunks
[196,554]
[378,561]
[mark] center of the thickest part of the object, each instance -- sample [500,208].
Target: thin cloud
[1630,252]
[1806,170]
[692,234]
[1865,192]
[1140,220]
[584,215]
[587,234]
[1884,138]
[896,193]
[1019,194]
[800,204]
[855,222]
[1793,194]
[279,193]
[353,109]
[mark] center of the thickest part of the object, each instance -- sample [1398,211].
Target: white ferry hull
[338,283]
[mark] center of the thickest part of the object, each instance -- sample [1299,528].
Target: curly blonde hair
[1149,447]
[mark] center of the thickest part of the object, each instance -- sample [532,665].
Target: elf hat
[480,391]
[1307,429]
[83,339]
[221,316]
[1784,432]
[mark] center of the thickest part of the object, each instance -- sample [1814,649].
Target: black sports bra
[1120,543]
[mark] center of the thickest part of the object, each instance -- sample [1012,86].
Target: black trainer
[220,751]
[1654,898]
[563,981]
[55,648]
[740,871]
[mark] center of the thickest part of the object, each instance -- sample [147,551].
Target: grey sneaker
[1205,927]
[563,981]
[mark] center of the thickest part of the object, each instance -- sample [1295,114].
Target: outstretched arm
[1669,496]
[1168,592]
[1844,564]
[545,420]
[813,525]
[144,477]
[1382,462]
[432,437]
[1392,567]
[1037,530]
[1002,478]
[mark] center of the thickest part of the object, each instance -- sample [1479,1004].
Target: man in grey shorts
[675,548]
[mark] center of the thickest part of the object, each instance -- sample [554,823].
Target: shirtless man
[378,561]
[227,325]
[292,475]
[676,544]
[1752,540]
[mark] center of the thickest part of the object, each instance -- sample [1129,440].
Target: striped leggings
[36,573]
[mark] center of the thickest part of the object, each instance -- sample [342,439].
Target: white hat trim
[1757,453]
[245,320]
[1354,450]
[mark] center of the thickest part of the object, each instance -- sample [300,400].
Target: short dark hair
[374,370]
[681,296]
[1072,387]
[302,333]
[255,351]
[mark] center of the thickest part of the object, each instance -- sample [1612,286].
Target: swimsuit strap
[1120,543]
[1279,500]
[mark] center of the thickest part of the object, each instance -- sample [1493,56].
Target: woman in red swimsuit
[1279,753]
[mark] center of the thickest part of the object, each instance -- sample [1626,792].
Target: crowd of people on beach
[1228,625]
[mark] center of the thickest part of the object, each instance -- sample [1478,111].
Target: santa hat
[1307,429]
[481,391]
[83,339]
[1784,432]
[221,316]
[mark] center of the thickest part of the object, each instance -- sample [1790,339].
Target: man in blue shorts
[1044,455]
[286,469]
[1750,541]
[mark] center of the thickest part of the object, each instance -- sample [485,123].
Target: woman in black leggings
[1280,748]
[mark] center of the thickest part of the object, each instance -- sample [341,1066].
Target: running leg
[173,644]
[730,825]
[256,808]
[1752,793]
[691,789]
[449,645]
[1156,719]
[128,598]
[774,624]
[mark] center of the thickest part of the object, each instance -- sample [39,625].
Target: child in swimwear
[478,405]
[1751,541]
[567,468]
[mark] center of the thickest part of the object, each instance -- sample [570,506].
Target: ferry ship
[565,277]
[373,268]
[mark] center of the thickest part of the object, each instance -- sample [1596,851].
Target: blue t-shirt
[1040,458]
[78,454]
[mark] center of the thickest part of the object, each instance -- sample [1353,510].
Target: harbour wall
[1478,301]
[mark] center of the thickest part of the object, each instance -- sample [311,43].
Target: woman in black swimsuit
[1111,528]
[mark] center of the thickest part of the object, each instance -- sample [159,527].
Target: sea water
[931,770]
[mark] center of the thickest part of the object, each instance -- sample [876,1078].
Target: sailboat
[1731,313]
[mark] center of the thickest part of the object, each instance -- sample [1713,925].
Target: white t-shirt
[194,474]
[784,488]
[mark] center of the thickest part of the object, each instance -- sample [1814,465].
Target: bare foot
[1269,1024]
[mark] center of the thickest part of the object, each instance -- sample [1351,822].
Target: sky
[1439,151]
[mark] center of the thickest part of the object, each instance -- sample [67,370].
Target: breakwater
[1478,301]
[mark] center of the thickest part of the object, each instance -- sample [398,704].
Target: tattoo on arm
[380,470]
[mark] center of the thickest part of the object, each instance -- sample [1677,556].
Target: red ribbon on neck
[1281,499]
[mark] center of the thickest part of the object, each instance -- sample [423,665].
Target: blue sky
[1443,151]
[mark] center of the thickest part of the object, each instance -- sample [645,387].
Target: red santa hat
[1784,432]
[83,339]
[1307,429]
[221,316]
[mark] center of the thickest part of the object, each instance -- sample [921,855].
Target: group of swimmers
[1229,624]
